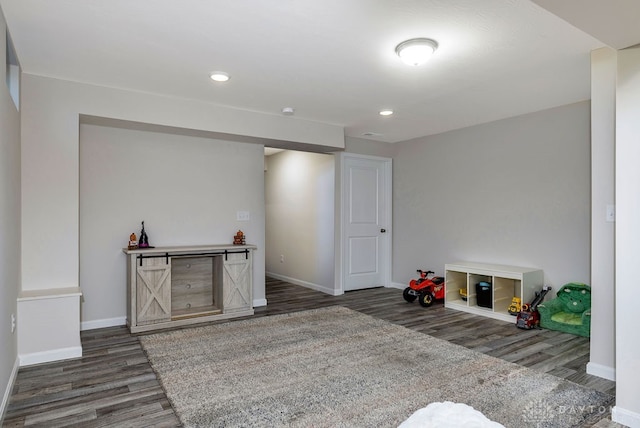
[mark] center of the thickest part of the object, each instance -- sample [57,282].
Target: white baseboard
[602,371]
[306,284]
[49,356]
[259,302]
[7,392]
[398,285]
[108,322]
[625,417]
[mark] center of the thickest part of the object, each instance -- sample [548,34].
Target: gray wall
[603,284]
[299,198]
[362,146]
[514,191]
[187,189]
[51,112]
[9,225]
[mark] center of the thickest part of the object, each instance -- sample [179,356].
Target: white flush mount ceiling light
[416,51]
[288,111]
[386,112]
[219,76]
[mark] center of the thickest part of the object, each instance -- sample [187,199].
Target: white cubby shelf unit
[506,282]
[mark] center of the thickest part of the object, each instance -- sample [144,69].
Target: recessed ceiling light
[220,76]
[386,112]
[416,51]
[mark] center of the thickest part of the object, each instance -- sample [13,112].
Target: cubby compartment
[455,283]
[499,285]
[480,295]
[504,290]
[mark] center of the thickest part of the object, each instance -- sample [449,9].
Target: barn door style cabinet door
[237,283]
[153,291]
[175,286]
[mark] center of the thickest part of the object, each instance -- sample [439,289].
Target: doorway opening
[299,218]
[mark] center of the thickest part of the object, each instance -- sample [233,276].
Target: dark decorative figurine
[144,239]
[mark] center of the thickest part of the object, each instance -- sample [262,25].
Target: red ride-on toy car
[426,289]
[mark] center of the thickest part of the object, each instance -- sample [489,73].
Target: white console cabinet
[506,282]
[175,286]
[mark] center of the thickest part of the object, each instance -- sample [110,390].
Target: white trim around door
[363,221]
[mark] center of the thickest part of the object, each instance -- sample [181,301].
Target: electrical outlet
[243,216]
[13,323]
[281,258]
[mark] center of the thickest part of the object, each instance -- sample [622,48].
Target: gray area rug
[335,367]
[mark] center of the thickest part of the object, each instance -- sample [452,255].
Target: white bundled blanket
[448,415]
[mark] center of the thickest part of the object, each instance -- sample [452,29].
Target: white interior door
[366,221]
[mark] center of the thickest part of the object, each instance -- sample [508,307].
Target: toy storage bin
[484,295]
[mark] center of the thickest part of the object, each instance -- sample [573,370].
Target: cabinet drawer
[191,282]
[187,296]
[196,269]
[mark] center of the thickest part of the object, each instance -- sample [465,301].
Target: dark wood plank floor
[114,385]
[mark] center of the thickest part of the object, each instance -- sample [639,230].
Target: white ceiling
[331,60]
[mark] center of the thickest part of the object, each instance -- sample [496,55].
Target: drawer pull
[188,265]
[188,286]
[188,305]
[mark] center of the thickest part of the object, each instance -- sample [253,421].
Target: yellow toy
[515,306]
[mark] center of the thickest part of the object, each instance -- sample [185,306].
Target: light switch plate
[243,216]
